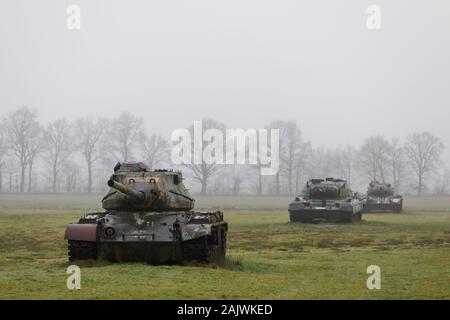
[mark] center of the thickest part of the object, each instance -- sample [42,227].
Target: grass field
[268,258]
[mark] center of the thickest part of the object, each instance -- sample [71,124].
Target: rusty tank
[148,217]
[326,200]
[381,198]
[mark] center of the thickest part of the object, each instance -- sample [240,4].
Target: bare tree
[397,160]
[344,159]
[123,136]
[89,133]
[236,175]
[35,147]
[72,172]
[58,145]
[3,150]
[373,157]
[155,149]
[441,187]
[203,172]
[11,171]
[290,150]
[423,151]
[321,163]
[304,156]
[259,166]
[23,133]
[278,124]
[259,182]
[290,154]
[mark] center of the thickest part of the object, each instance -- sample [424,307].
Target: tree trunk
[277,183]
[290,178]
[30,171]
[236,186]
[204,187]
[394,177]
[1,177]
[419,191]
[54,178]
[297,181]
[349,176]
[89,177]
[259,191]
[22,177]
[204,178]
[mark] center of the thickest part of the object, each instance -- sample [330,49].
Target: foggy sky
[242,62]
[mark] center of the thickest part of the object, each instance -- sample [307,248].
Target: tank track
[370,208]
[206,249]
[194,250]
[357,217]
[336,218]
[82,250]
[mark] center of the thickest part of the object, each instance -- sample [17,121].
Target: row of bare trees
[66,148]
[419,156]
[77,154]
[409,166]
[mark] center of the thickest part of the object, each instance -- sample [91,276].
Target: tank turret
[380,189]
[137,187]
[329,188]
[136,195]
[148,217]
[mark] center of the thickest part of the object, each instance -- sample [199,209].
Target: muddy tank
[326,200]
[148,217]
[381,198]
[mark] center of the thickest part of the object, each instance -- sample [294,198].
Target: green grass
[86,202]
[268,258]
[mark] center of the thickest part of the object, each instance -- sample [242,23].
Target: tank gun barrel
[126,190]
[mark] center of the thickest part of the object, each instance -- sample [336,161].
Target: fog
[244,63]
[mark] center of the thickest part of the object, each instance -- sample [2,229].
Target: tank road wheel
[349,218]
[224,241]
[357,216]
[211,248]
[196,249]
[82,250]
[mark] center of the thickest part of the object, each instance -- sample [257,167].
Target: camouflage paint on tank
[380,189]
[135,187]
[149,217]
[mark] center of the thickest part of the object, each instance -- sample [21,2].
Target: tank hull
[157,238]
[332,211]
[323,215]
[380,205]
[383,207]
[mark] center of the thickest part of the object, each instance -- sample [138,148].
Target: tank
[326,200]
[380,198]
[148,217]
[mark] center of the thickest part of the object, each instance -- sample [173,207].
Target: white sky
[242,62]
